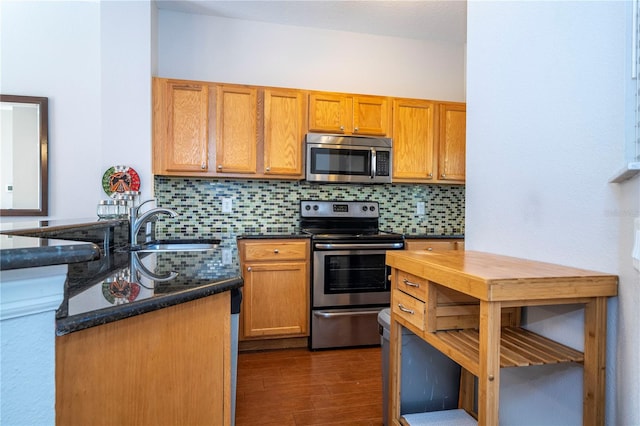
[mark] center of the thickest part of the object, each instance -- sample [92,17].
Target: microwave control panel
[382,163]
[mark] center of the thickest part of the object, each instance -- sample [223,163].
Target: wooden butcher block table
[467,305]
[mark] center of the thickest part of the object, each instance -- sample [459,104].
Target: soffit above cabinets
[437,20]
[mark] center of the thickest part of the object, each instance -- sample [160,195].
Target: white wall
[545,132]
[235,51]
[92,60]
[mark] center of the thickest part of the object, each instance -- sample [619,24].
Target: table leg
[489,378]
[595,347]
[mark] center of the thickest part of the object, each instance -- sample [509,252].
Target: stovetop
[344,220]
[332,235]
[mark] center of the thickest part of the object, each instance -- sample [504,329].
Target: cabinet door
[329,112]
[413,140]
[104,369]
[236,129]
[284,112]
[452,142]
[180,115]
[370,116]
[275,300]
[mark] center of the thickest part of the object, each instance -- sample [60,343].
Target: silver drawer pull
[411,284]
[403,309]
[276,251]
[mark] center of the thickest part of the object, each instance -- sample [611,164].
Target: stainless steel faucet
[136,220]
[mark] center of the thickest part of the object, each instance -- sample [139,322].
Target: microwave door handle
[373,163]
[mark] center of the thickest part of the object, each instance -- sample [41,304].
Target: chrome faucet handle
[137,208]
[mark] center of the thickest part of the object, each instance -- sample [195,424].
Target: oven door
[350,278]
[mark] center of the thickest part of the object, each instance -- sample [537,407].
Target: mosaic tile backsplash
[263,206]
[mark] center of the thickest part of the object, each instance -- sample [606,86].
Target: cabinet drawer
[435,245]
[410,284]
[409,308]
[293,250]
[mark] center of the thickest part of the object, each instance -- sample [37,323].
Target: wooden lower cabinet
[166,367]
[436,244]
[275,299]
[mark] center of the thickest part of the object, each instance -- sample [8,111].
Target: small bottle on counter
[112,209]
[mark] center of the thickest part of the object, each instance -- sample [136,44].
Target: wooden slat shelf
[518,347]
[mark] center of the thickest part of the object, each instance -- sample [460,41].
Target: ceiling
[436,20]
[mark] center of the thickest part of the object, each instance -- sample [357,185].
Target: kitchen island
[143,338]
[466,304]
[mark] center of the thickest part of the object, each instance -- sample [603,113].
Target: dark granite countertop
[106,282]
[124,284]
[29,244]
[273,235]
[17,252]
[432,237]
[42,227]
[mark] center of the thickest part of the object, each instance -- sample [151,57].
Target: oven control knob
[364,208]
[372,208]
[316,207]
[307,207]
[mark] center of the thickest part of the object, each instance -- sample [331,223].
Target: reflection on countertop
[123,284]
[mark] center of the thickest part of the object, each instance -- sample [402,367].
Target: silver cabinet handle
[429,248]
[430,175]
[411,284]
[407,310]
[443,176]
[203,166]
[356,129]
[341,127]
[219,166]
[249,268]
[276,251]
[268,169]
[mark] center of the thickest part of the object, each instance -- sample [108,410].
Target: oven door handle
[325,314]
[338,246]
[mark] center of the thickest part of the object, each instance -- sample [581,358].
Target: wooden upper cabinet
[180,126]
[236,129]
[330,112]
[220,130]
[347,114]
[452,141]
[284,114]
[371,115]
[413,140]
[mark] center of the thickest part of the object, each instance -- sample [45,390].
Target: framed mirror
[23,155]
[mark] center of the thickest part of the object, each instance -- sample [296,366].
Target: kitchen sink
[176,245]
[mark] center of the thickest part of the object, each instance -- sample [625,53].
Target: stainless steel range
[350,279]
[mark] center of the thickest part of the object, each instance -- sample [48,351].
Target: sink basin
[176,245]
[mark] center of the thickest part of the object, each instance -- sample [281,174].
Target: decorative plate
[119,179]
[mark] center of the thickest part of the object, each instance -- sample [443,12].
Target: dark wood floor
[299,387]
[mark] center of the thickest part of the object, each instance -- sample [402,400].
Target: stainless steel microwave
[351,159]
